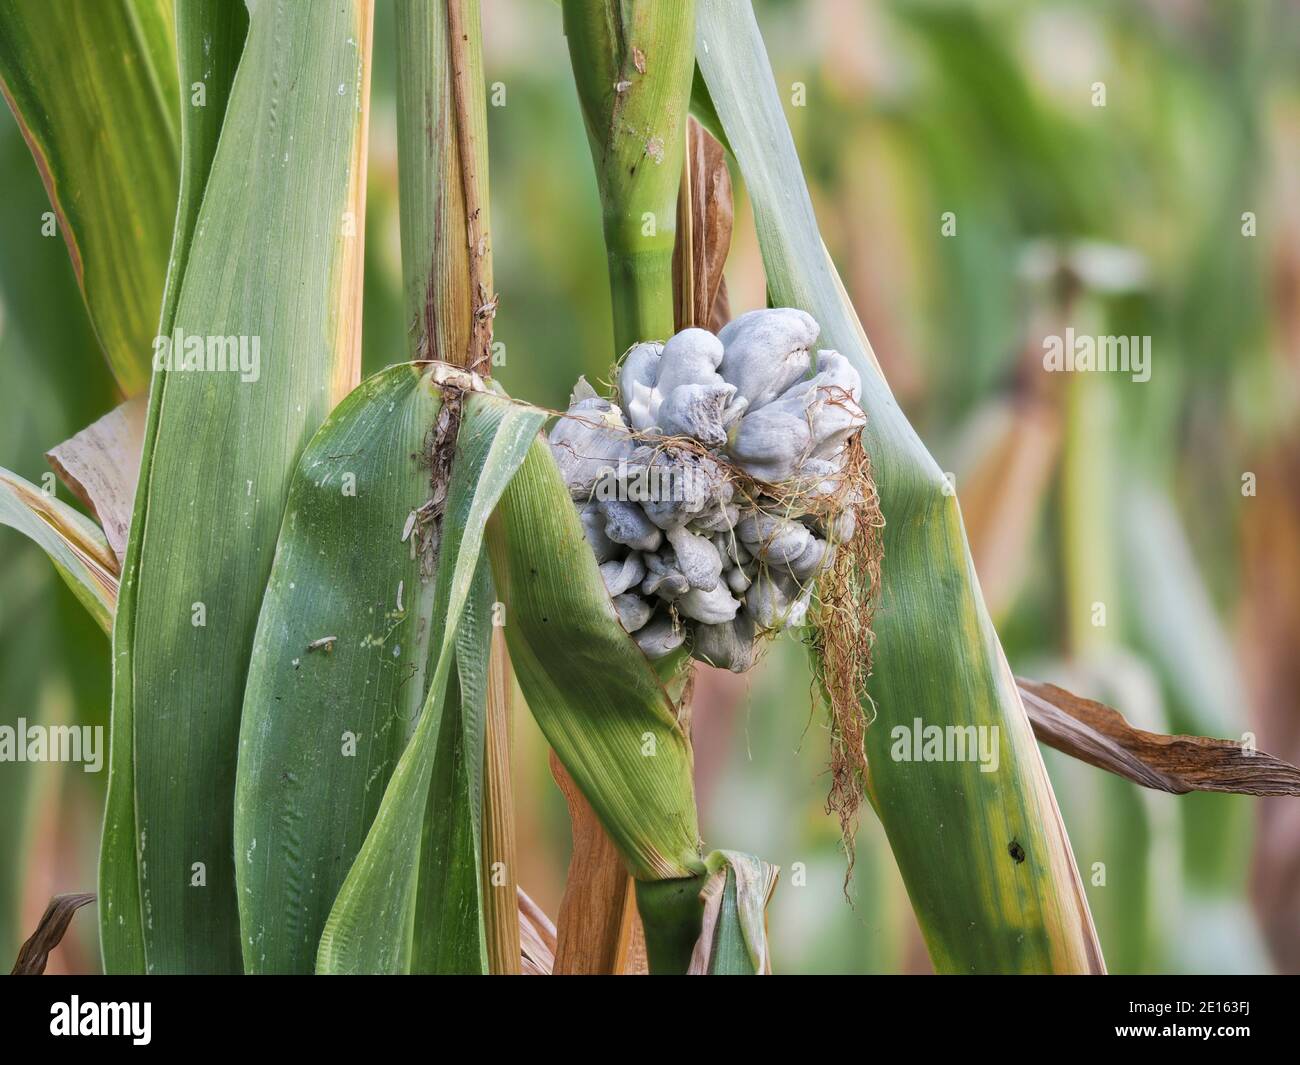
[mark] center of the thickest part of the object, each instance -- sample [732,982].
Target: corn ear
[632,62]
[598,700]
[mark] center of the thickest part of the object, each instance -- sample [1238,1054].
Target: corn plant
[321,591]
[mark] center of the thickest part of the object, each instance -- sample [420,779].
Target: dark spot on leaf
[1016,851]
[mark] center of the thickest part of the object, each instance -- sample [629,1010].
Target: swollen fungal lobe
[621,574]
[769,598]
[593,527]
[767,352]
[729,645]
[626,523]
[813,559]
[588,443]
[697,559]
[770,444]
[636,385]
[773,539]
[738,580]
[696,410]
[633,611]
[660,636]
[663,578]
[689,358]
[711,607]
[683,556]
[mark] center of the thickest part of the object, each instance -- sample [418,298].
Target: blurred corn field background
[986,174]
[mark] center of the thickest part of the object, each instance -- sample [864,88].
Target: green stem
[632,62]
[673,917]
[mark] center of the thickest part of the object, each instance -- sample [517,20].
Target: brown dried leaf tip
[1094,733]
[34,954]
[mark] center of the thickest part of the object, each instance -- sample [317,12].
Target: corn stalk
[632,64]
[447,268]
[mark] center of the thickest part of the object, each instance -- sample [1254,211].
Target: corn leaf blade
[370,927]
[73,543]
[984,855]
[337,674]
[450,920]
[103,74]
[733,936]
[210,37]
[282,266]
[120,914]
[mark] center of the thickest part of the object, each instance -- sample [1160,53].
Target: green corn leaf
[984,855]
[450,916]
[120,913]
[735,915]
[324,723]
[597,698]
[104,75]
[322,730]
[370,927]
[712,924]
[729,954]
[282,203]
[209,42]
[74,543]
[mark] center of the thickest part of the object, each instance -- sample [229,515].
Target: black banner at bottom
[218,1013]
